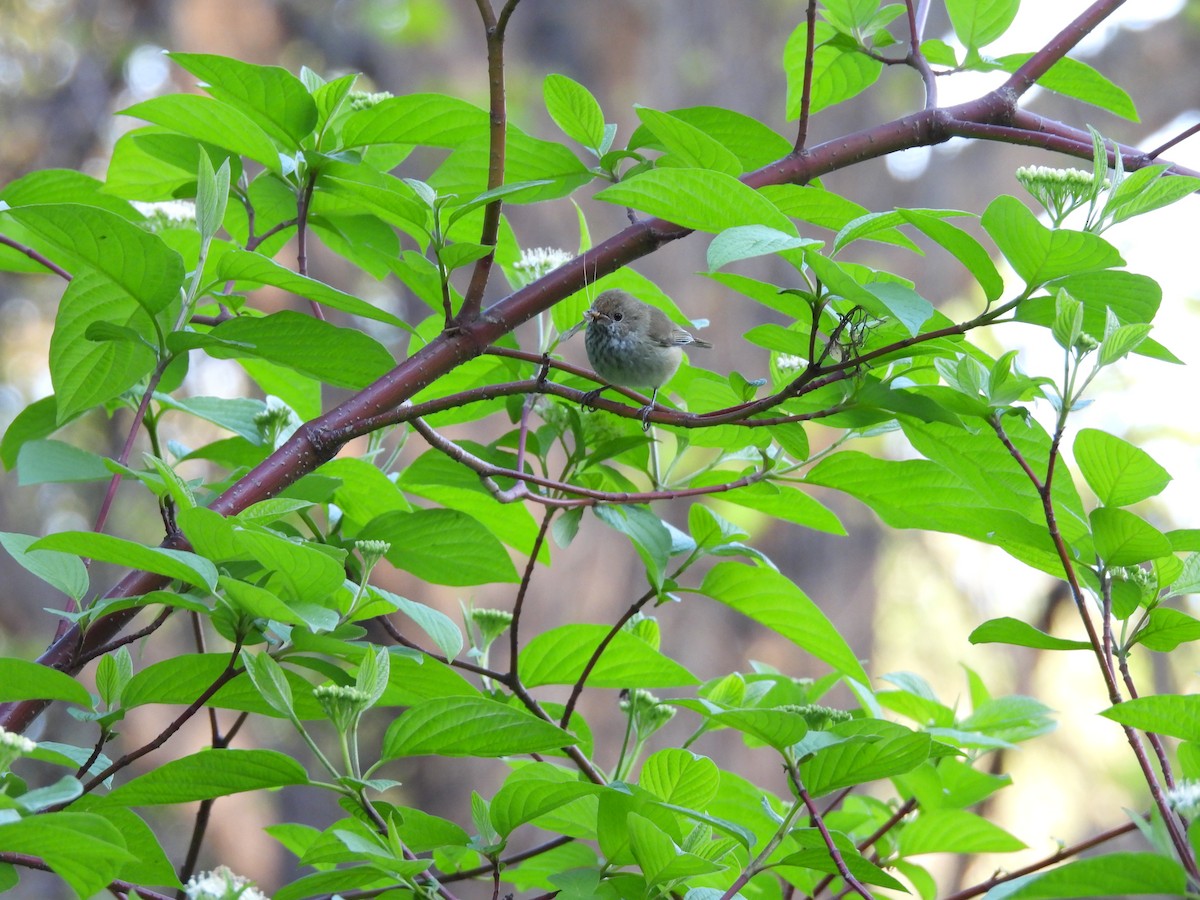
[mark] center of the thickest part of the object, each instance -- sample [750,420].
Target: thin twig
[36,257]
[810,52]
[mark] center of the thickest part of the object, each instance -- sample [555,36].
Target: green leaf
[681,777]
[962,247]
[270,680]
[532,791]
[1123,539]
[698,199]
[979,22]
[176,564]
[857,762]
[648,533]
[212,196]
[63,571]
[778,728]
[84,849]
[470,726]
[272,97]
[87,372]
[1167,629]
[1120,473]
[838,74]
[1007,630]
[1039,254]
[37,420]
[772,600]
[575,111]
[787,503]
[434,120]
[1076,79]
[442,546]
[346,357]
[306,573]
[558,656]
[1110,875]
[884,299]
[22,680]
[687,145]
[242,265]
[955,831]
[84,237]
[1174,715]
[753,143]
[446,635]
[152,163]
[748,241]
[206,775]
[210,120]
[1188,581]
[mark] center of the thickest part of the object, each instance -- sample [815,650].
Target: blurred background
[905,601]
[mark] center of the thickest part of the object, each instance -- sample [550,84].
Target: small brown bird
[632,344]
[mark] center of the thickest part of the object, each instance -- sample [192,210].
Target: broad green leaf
[533,791]
[753,143]
[1123,539]
[661,860]
[772,600]
[884,299]
[23,680]
[649,534]
[348,358]
[307,574]
[747,241]
[1167,629]
[242,265]
[1148,189]
[962,247]
[64,571]
[687,145]
[442,546]
[787,503]
[155,164]
[446,635]
[680,777]
[697,199]
[575,111]
[815,855]
[181,679]
[271,96]
[558,656]
[1175,715]
[1040,254]
[210,120]
[206,775]
[237,414]
[84,237]
[175,564]
[1110,875]
[1007,630]
[839,72]
[774,727]
[87,372]
[1188,580]
[857,762]
[1076,79]
[979,22]
[1120,473]
[37,420]
[85,850]
[260,603]
[268,676]
[955,831]
[434,120]
[470,726]
[212,197]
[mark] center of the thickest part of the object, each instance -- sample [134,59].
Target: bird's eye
[617,317]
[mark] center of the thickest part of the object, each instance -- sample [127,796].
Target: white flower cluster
[12,746]
[1185,798]
[166,214]
[222,884]
[536,262]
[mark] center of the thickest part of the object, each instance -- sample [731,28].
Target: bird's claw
[646,410]
[588,400]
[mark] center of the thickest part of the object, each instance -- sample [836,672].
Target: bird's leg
[646,410]
[588,400]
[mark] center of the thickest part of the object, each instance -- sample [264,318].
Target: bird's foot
[588,400]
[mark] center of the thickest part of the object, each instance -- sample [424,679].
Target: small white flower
[536,262]
[12,746]
[222,884]
[786,362]
[1185,798]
